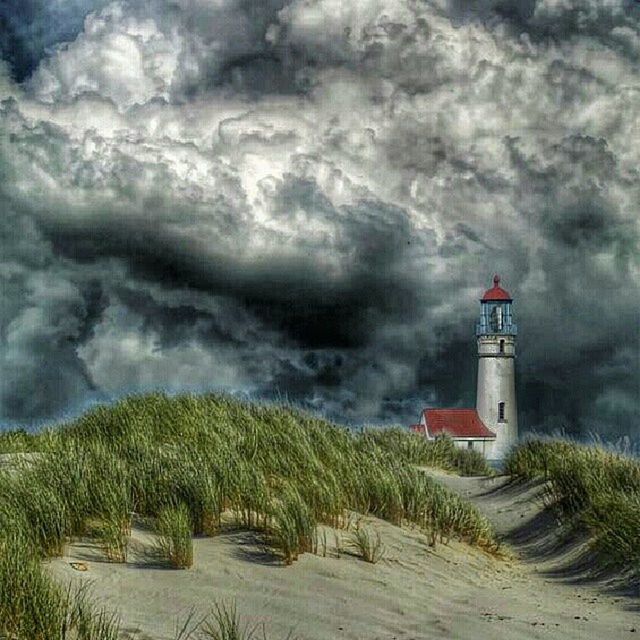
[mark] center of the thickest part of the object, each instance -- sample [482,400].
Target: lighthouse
[492,427]
[496,391]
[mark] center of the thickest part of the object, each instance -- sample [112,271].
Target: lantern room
[496,317]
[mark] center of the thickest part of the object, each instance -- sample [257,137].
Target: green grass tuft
[224,623]
[175,543]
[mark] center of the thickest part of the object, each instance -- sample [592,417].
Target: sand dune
[414,592]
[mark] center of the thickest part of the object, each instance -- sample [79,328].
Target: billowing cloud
[305,200]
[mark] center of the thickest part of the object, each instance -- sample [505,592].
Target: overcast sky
[305,199]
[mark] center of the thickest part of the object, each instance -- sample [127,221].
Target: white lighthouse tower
[496,391]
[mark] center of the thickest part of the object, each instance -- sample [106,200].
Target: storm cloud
[305,200]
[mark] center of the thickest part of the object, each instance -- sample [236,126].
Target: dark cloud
[47,312]
[551,19]
[305,200]
[28,28]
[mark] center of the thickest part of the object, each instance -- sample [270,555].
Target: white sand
[415,592]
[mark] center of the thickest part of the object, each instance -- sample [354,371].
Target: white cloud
[408,157]
[117,56]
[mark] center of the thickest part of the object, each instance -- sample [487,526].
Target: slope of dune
[450,591]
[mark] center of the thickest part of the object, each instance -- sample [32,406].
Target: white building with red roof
[492,427]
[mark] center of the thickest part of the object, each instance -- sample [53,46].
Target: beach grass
[19,441]
[591,488]
[34,607]
[224,623]
[195,464]
[174,530]
[440,453]
[368,544]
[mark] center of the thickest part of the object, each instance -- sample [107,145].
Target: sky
[305,199]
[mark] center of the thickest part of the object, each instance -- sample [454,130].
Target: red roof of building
[496,292]
[458,423]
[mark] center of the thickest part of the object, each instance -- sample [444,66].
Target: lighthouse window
[501,346]
[496,318]
[501,412]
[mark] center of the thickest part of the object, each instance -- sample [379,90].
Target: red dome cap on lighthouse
[496,293]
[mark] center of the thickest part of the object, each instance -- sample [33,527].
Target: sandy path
[414,593]
[559,573]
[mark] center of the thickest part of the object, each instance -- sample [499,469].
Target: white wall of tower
[496,384]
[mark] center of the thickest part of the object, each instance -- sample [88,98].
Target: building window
[501,412]
[501,346]
[470,444]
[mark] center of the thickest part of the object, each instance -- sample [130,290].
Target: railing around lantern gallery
[507,328]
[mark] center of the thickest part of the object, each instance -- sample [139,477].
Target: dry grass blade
[368,544]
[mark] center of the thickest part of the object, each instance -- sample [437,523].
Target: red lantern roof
[458,423]
[496,293]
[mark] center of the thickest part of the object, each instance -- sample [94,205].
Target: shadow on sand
[564,551]
[250,547]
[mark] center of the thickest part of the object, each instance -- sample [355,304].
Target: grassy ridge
[188,461]
[590,487]
[441,453]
